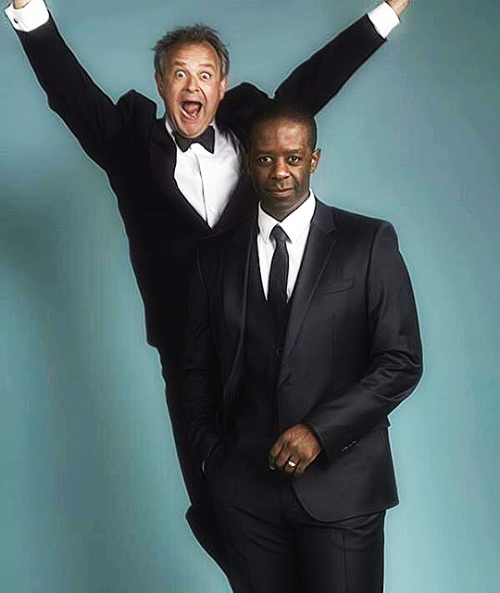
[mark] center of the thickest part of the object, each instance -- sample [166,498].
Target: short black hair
[274,110]
[187,35]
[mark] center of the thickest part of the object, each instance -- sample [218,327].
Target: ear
[159,84]
[222,87]
[316,154]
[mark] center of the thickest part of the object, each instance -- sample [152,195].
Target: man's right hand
[20,3]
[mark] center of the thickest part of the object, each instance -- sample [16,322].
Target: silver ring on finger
[291,463]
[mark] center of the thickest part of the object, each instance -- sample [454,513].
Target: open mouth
[191,109]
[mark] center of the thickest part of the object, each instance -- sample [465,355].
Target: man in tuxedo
[302,337]
[178,178]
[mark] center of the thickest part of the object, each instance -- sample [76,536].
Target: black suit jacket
[137,153]
[351,354]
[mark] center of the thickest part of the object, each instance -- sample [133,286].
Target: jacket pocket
[331,287]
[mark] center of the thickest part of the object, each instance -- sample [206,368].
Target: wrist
[399,6]
[20,3]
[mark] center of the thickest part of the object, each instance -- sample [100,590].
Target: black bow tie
[207,140]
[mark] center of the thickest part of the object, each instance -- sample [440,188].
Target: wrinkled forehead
[193,55]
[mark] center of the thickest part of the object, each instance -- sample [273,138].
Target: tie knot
[279,235]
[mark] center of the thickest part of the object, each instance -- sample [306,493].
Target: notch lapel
[318,249]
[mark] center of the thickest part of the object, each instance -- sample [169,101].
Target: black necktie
[278,276]
[207,140]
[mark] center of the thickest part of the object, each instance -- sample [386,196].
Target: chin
[192,130]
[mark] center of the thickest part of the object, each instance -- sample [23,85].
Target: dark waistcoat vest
[256,419]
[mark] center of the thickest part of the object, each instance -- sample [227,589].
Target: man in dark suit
[177,178]
[302,337]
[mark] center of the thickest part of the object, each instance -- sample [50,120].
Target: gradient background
[90,494]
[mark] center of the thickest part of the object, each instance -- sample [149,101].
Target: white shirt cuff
[28,18]
[384,19]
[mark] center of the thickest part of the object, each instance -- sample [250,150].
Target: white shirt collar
[293,225]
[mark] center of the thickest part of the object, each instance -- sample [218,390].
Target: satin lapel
[235,294]
[319,246]
[162,155]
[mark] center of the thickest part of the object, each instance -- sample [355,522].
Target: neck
[281,211]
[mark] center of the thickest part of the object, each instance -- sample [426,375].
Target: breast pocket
[328,287]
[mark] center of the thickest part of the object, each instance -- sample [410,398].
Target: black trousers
[274,546]
[201,515]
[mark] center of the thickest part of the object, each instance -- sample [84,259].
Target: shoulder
[348,221]
[245,91]
[135,103]
[238,105]
[138,116]
[359,229]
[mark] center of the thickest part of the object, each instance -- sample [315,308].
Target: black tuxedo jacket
[137,153]
[351,354]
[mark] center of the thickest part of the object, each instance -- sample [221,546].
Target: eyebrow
[259,150]
[181,63]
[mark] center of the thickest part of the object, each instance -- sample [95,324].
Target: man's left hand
[295,450]
[399,6]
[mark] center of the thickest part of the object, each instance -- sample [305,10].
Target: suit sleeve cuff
[384,19]
[333,440]
[28,18]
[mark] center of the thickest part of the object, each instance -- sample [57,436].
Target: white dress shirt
[206,180]
[296,225]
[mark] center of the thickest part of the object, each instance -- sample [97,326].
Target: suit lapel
[163,158]
[320,243]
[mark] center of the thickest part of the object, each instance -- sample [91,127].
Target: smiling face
[281,160]
[191,87]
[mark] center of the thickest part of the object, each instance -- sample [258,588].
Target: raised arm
[318,79]
[89,113]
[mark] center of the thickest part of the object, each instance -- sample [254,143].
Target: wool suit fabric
[131,144]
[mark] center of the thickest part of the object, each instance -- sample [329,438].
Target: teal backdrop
[91,499]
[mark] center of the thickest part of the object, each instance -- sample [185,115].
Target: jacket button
[279,351]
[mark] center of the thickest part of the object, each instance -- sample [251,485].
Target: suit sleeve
[312,84]
[395,362]
[88,112]
[201,375]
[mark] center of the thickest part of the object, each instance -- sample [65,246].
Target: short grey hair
[187,35]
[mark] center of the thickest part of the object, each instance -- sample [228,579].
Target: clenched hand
[294,450]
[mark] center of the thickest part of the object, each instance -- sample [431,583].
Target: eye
[294,159]
[205,75]
[264,160]
[179,74]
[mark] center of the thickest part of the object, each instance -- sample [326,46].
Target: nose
[280,169]
[191,83]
